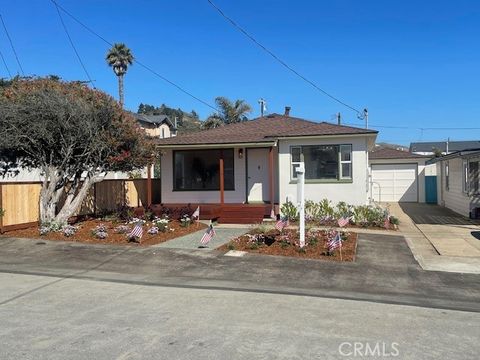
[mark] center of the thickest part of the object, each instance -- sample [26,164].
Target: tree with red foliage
[73,134]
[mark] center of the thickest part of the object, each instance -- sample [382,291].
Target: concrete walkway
[440,240]
[192,241]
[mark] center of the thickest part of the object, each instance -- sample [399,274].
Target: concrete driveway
[439,238]
[450,233]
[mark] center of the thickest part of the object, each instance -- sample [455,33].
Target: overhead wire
[72,44]
[146,67]
[11,45]
[282,62]
[5,64]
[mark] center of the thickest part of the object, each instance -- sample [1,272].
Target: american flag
[386,223]
[196,214]
[335,243]
[282,223]
[343,221]
[137,231]
[209,234]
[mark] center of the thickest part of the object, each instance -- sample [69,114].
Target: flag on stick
[386,223]
[282,223]
[137,231]
[343,221]
[209,234]
[335,243]
[196,215]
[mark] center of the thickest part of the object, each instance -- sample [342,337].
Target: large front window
[200,169]
[474,177]
[323,162]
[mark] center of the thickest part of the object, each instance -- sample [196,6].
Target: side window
[447,176]
[465,177]
[345,161]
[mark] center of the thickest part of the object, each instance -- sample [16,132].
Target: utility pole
[365,115]
[339,118]
[263,106]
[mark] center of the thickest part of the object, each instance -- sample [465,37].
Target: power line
[72,44]
[146,67]
[11,44]
[283,63]
[416,128]
[5,63]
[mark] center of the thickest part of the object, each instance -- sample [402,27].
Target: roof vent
[287,110]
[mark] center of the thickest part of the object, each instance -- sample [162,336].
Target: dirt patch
[84,233]
[286,244]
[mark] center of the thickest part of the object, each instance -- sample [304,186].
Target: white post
[301,200]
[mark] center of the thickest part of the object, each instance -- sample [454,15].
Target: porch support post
[222,179]
[271,179]
[149,185]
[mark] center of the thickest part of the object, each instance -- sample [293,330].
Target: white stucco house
[245,170]
[459,181]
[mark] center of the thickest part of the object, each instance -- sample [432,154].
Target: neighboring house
[159,126]
[430,148]
[397,176]
[459,181]
[254,162]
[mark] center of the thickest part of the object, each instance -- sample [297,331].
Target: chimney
[287,110]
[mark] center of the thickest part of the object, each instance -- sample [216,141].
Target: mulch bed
[276,247]
[84,233]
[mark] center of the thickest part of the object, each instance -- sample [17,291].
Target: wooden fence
[20,201]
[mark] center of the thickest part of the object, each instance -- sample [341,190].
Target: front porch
[222,213]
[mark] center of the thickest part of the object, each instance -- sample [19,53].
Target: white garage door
[394,182]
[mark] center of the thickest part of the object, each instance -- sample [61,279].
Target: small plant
[289,210]
[50,227]
[135,221]
[302,250]
[2,212]
[394,220]
[69,230]
[161,224]
[185,221]
[122,229]
[231,246]
[153,230]
[100,232]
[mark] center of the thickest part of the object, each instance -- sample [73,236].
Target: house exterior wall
[420,173]
[454,198]
[353,192]
[162,131]
[206,197]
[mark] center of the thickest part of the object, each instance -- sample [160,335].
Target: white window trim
[294,163]
[340,162]
[345,161]
[465,176]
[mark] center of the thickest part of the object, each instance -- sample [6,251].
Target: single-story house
[443,147]
[247,169]
[398,176]
[159,126]
[459,181]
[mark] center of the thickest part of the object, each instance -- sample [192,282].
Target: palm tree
[230,112]
[119,57]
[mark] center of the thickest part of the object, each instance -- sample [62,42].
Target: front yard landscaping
[114,229]
[270,241]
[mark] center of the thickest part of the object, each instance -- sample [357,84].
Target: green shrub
[394,220]
[231,246]
[2,212]
[289,210]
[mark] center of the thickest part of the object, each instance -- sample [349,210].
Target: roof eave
[216,146]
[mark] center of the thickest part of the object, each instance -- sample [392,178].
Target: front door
[257,176]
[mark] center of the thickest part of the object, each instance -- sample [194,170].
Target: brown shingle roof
[264,129]
[389,153]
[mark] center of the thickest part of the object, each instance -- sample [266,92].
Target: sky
[413,64]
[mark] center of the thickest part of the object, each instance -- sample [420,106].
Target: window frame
[175,189]
[465,176]
[340,178]
[474,189]
[447,176]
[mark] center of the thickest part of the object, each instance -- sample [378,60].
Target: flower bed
[285,243]
[325,213]
[111,231]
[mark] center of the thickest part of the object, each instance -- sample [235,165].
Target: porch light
[240,153]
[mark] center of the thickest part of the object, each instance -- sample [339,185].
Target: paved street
[62,318]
